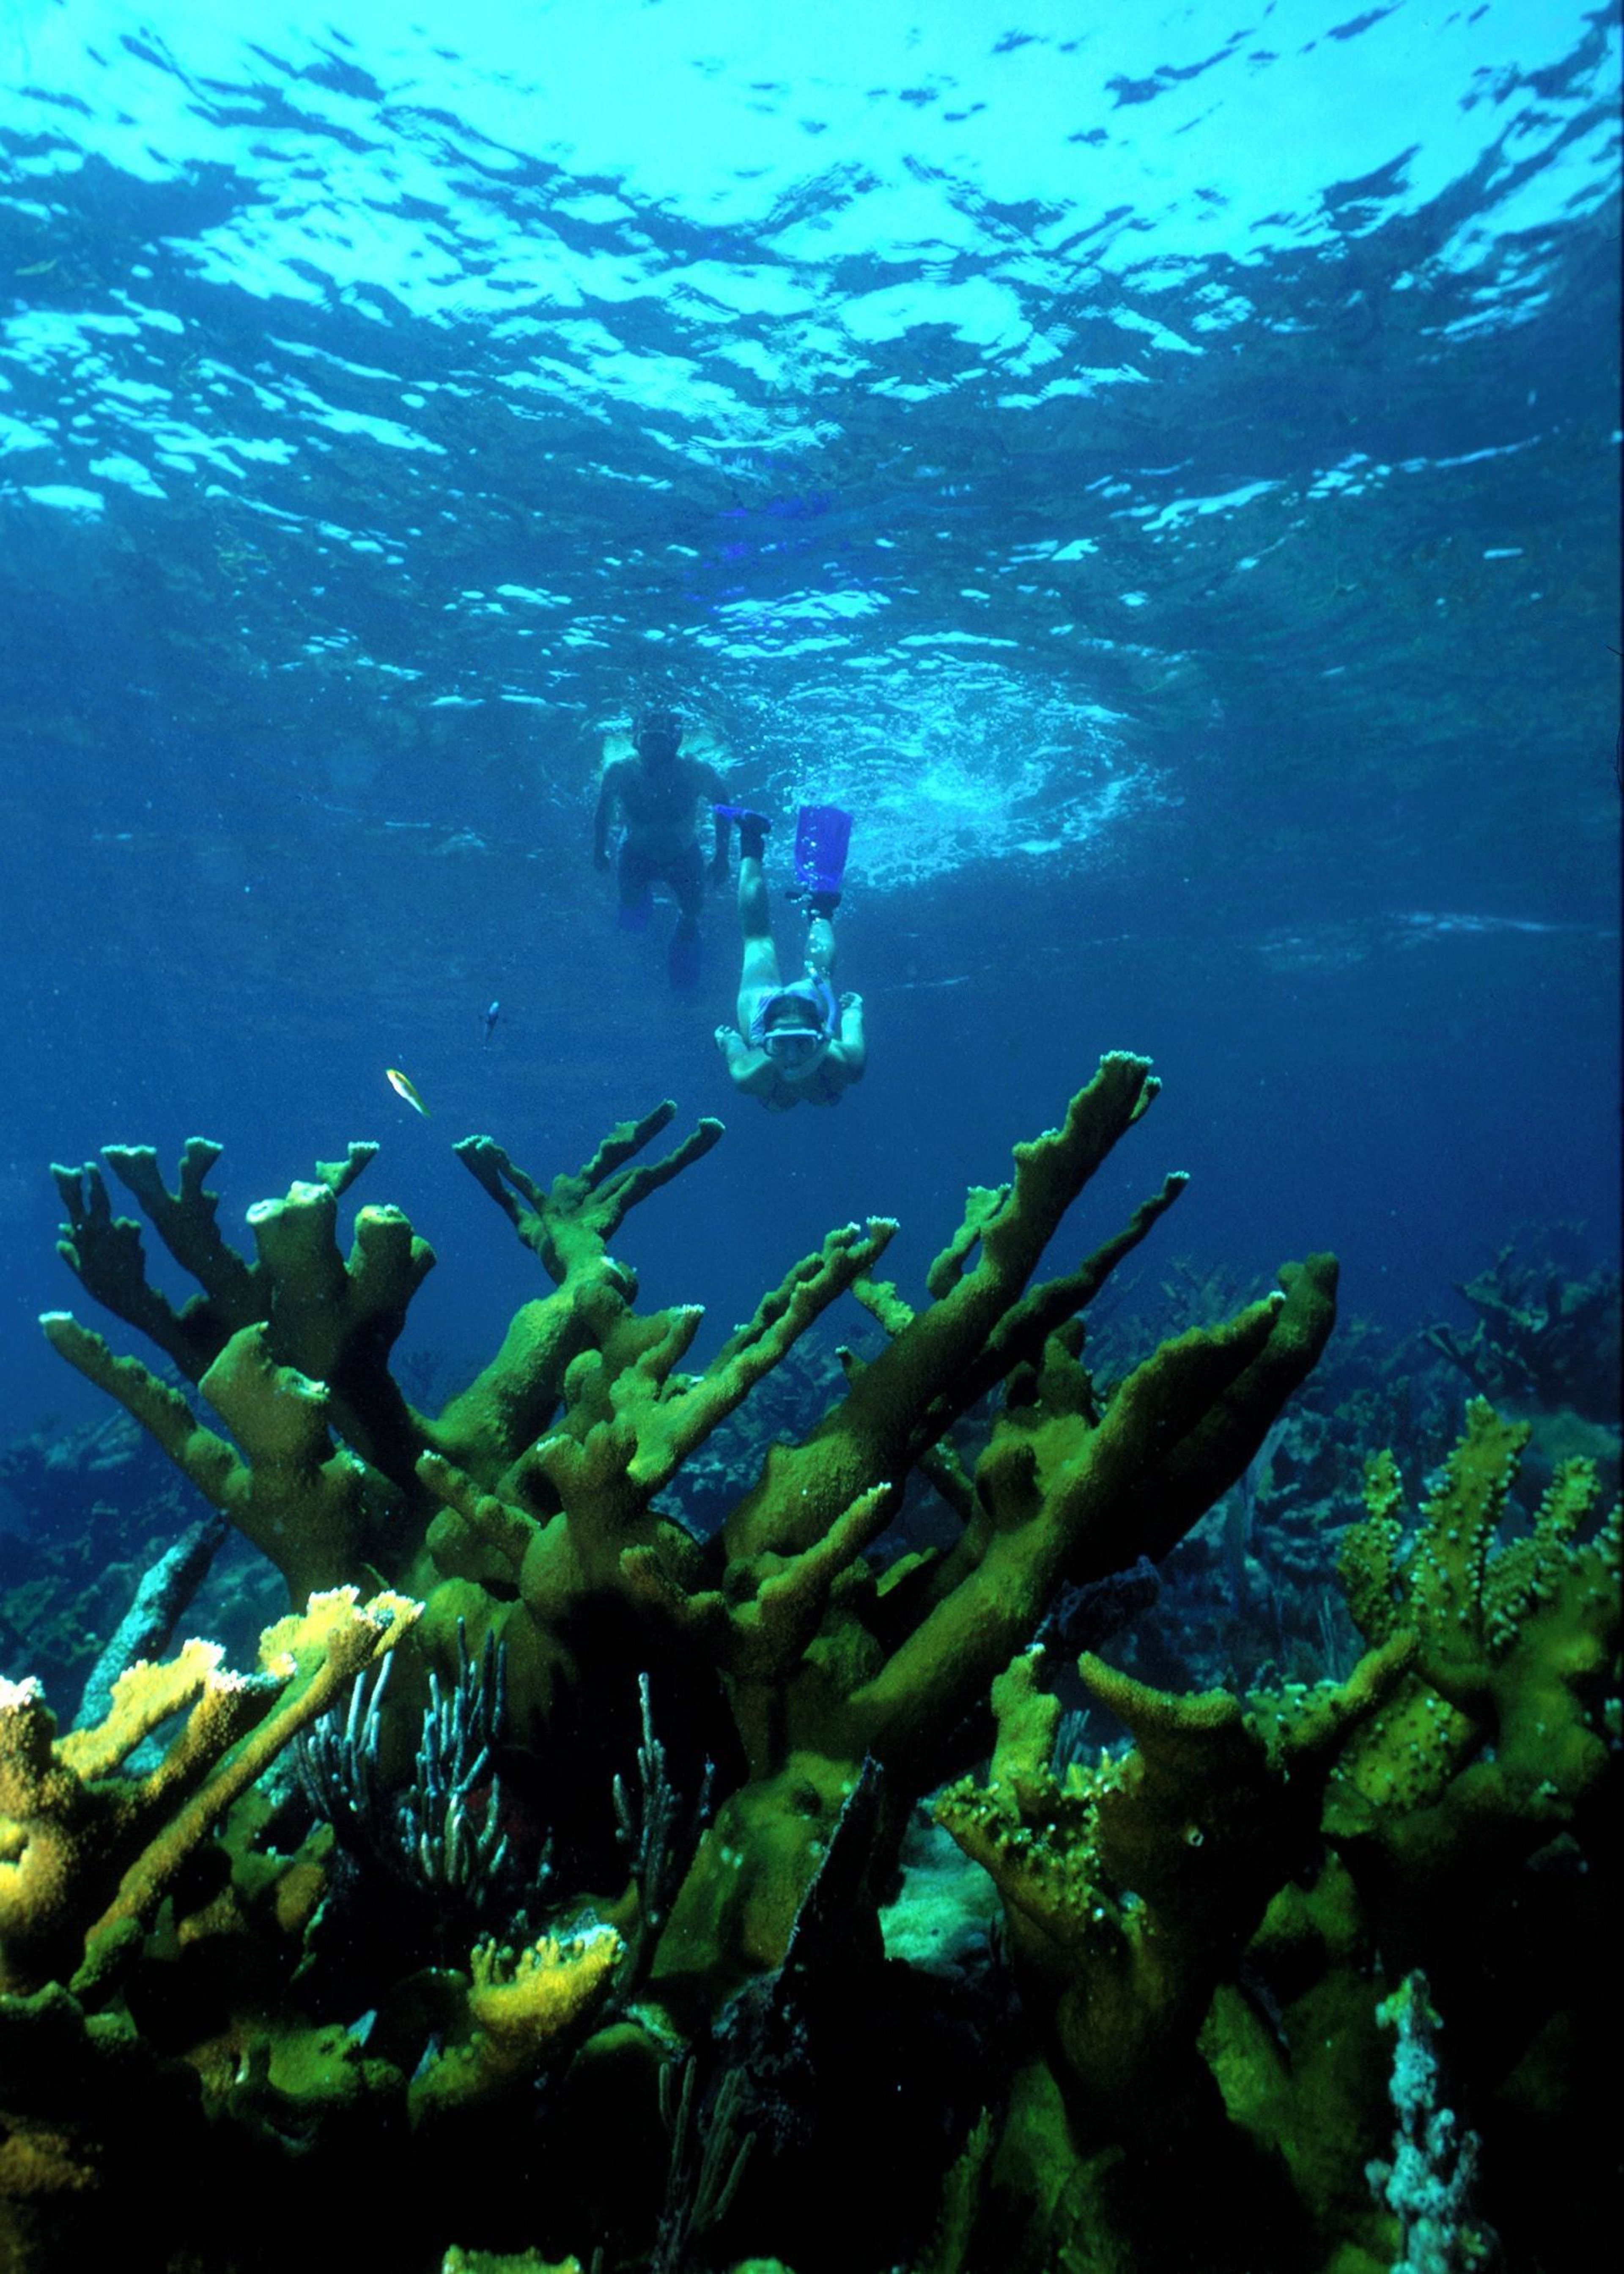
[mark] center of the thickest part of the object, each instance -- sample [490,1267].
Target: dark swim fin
[752,828]
[823,833]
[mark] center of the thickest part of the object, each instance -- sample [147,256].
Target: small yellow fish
[39,267]
[402,1088]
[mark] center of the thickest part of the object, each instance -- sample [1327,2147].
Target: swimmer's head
[656,731]
[795,1024]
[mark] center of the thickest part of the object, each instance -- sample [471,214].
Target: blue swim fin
[823,833]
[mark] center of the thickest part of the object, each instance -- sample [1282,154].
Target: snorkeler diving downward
[796,1043]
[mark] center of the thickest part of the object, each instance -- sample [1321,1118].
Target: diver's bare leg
[755,921]
[761,957]
[821,949]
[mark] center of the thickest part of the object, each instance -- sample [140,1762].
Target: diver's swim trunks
[637,874]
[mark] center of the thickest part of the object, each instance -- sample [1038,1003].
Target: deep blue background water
[1163,479]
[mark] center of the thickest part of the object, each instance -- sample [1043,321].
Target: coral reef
[1545,1330]
[627,1833]
[87,1855]
[1198,1924]
[529,1506]
[1250,1595]
[1428,2184]
[97,1519]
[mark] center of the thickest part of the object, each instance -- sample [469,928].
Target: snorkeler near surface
[656,793]
[796,1043]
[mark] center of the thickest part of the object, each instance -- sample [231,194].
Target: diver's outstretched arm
[750,1069]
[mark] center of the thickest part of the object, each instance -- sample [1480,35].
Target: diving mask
[814,1026]
[792,1048]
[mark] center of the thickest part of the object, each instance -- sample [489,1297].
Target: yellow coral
[457,2261]
[551,1985]
[518,2014]
[86,1852]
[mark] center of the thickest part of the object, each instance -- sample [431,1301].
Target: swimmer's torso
[659,804]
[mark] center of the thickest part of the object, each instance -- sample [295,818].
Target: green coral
[1131,1889]
[529,1506]
[1516,1645]
[515,2013]
[1290,1838]
[1201,1924]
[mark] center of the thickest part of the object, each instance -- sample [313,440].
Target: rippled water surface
[1162,476]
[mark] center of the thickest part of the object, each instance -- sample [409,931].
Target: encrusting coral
[1193,1923]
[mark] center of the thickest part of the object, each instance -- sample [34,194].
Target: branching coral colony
[458,1994]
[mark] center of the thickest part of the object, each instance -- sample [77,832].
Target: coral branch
[572,1224]
[1130,1890]
[86,1853]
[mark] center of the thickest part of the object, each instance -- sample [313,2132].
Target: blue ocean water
[1159,473]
